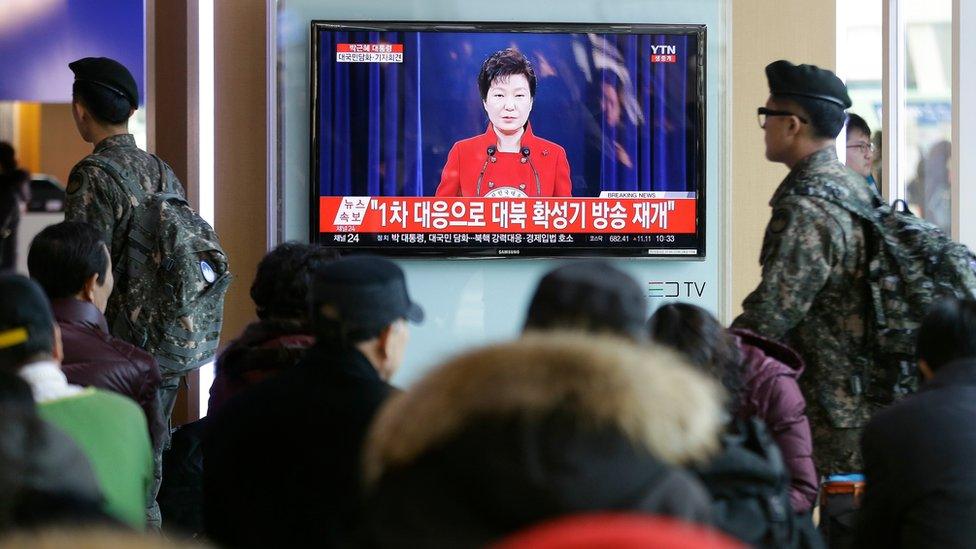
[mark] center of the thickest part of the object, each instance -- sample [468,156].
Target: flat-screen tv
[503,139]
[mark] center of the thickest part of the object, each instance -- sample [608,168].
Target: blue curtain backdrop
[626,123]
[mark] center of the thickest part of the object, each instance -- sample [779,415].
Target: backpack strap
[118,173]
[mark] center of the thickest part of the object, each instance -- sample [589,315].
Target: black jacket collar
[957,372]
[341,360]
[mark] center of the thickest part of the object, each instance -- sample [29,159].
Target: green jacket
[111,431]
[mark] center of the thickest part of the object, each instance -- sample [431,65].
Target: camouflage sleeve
[797,257]
[94,197]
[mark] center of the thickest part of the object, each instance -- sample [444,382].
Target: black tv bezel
[515,251]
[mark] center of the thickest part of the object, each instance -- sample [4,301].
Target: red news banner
[364,214]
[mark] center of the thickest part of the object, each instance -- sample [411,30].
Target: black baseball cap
[26,320]
[590,295]
[364,290]
[109,74]
[809,81]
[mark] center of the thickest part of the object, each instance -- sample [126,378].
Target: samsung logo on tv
[509,252]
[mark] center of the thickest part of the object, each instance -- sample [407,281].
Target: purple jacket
[94,358]
[773,395]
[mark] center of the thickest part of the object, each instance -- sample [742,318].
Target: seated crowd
[599,426]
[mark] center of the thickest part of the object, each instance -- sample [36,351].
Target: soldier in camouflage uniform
[814,293]
[104,97]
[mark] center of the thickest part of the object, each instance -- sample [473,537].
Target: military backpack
[171,277]
[911,264]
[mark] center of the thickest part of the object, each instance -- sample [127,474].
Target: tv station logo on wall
[664,53]
[369,53]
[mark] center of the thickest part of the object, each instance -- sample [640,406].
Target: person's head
[104,96]
[543,390]
[280,287]
[592,296]
[362,302]
[507,85]
[8,158]
[27,328]
[804,111]
[701,338]
[70,260]
[947,333]
[860,149]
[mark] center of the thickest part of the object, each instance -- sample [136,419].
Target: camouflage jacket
[93,196]
[814,292]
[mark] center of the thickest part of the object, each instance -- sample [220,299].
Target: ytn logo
[672,289]
[664,53]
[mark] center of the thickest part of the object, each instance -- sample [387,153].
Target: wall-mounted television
[504,139]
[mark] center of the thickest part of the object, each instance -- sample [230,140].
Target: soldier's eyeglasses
[762,113]
[864,148]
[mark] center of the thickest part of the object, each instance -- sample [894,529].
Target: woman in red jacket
[761,377]
[508,160]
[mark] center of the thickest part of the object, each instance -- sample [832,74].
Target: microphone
[526,158]
[484,168]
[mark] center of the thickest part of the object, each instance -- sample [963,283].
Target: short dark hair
[826,118]
[280,287]
[64,255]
[333,332]
[700,337]
[948,332]
[502,64]
[855,122]
[592,296]
[104,104]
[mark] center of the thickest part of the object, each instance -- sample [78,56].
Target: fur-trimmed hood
[648,394]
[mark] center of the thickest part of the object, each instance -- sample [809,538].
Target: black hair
[281,285]
[502,64]
[826,118]
[702,339]
[947,333]
[63,256]
[330,331]
[8,160]
[594,297]
[107,106]
[855,122]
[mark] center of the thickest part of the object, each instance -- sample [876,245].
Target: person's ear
[383,342]
[926,370]
[58,348]
[88,289]
[795,126]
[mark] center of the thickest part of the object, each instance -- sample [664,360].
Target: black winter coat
[920,462]
[281,462]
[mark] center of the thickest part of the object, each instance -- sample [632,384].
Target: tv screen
[508,139]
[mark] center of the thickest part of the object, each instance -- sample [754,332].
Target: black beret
[811,81]
[109,74]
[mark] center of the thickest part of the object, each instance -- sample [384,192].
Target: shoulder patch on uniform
[75,181]
[780,220]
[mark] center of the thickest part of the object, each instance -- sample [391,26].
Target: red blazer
[467,158]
